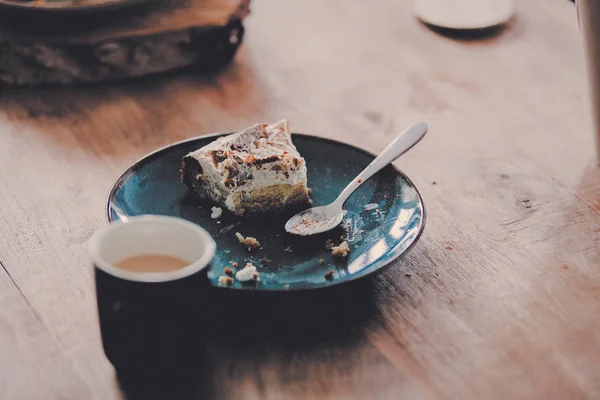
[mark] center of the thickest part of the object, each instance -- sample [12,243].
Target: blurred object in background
[41,47]
[464,14]
[589,24]
[68,5]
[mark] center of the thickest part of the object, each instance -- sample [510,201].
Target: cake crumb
[249,242]
[228,271]
[329,275]
[247,273]
[341,251]
[234,264]
[216,212]
[225,281]
[286,286]
[265,261]
[321,261]
[329,244]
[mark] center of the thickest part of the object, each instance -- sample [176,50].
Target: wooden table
[500,299]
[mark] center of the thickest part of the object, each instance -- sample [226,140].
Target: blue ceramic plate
[384,217]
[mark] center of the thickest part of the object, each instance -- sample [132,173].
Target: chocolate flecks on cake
[265,160]
[237,158]
[218,156]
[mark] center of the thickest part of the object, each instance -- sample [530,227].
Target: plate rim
[118,184]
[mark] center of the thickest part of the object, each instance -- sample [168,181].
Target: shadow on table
[243,327]
[468,35]
[136,116]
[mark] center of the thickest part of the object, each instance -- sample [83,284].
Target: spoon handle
[404,142]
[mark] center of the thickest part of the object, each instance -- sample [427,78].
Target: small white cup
[151,234]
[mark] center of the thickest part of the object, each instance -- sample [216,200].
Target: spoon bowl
[324,218]
[315,220]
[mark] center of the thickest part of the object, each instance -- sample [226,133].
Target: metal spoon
[324,218]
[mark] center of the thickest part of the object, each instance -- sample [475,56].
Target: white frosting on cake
[258,157]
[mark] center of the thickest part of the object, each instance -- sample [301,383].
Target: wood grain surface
[499,299]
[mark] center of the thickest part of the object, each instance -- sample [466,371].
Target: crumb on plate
[216,212]
[265,260]
[234,264]
[329,275]
[321,261]
[247,273]
[249,242]
[329,244]
[341,251]
[228,271]
[225,281]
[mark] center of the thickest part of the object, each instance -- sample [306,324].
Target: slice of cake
[256,170]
